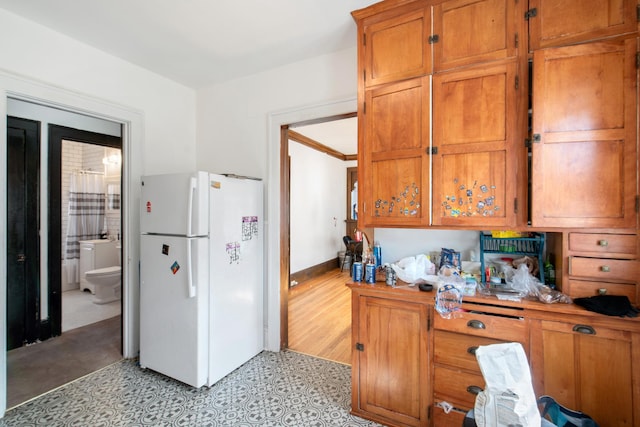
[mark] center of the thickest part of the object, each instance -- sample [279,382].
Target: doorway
[55,358]
[58,135]
[326,146]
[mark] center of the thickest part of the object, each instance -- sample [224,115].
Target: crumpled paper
[508,398]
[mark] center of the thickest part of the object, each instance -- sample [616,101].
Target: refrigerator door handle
[190,282]
[193,185]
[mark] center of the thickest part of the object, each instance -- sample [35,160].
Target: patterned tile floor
[272,389]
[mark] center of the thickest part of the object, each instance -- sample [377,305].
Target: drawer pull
[605,269]
[472,350]
[584,329]
[602,291]
[474,389]
[476,324]
[603,243]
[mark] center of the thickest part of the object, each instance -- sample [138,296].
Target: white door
[174,300]
[175,204]
[236,247]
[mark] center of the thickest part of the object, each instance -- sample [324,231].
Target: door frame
[20,87]
[277,337]
[56,135]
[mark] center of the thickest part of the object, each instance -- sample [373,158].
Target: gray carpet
[38,368]
[272,389]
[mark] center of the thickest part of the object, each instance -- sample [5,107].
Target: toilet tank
[96,254]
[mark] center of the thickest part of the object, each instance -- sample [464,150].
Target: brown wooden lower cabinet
[407,359]
[588,367]
[390,377]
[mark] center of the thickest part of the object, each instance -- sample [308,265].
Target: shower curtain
[86,217]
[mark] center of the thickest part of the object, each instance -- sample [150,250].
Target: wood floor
[320,317]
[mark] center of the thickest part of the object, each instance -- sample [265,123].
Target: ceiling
[341,135]
[203,42]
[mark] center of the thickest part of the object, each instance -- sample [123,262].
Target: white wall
[239,131]
[34,51]
[158,118]
[318,206]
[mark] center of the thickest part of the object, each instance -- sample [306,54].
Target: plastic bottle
[549,273]
[377,253]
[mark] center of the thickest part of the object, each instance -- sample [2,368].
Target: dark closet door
[23,259]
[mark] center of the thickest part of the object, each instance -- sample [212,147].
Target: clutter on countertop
[450,291]
[415,269]
[523,285]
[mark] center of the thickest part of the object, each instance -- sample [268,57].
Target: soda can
[356,271]
[370,273]
[390,276]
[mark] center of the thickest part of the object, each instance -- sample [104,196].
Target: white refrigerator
[201,275]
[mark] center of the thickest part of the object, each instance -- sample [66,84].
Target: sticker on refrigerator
[148,207]
[249,227]
[165,249]
[233,250]
[175,267]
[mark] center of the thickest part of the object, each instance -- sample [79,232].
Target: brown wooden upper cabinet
[394,166]
[395,44]
[584,156]
[475,130]
[474,31]
[558,23]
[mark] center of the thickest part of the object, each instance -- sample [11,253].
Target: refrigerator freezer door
[175,204]
[174,316]
[236,293]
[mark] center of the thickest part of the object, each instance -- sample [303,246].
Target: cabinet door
[475,132]
[474,31]
[586,368]
[393,375]
[558,23]
[584,136]
[393,158]
[395,45]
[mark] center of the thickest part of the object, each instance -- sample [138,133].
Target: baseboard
[45,330]
[313,271]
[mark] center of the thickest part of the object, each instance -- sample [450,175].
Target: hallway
[38,368]
[320,317]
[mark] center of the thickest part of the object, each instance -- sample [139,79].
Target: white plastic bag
[415,269]
[508,398]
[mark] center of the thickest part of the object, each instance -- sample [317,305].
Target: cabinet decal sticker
[470,200]
[405,203]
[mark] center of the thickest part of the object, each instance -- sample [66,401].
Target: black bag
[564,417]
[611,305]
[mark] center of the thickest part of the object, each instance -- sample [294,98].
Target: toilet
[106,282]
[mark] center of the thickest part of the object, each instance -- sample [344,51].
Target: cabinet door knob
[474,389]
[584,329]
[476,324]
[605,269]
[472,350]
[603,243]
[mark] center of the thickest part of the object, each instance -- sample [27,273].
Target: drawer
[458,350]
[455,386]
[454,418]
[603,268]
[585,288]
[485,325]
[604,244]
